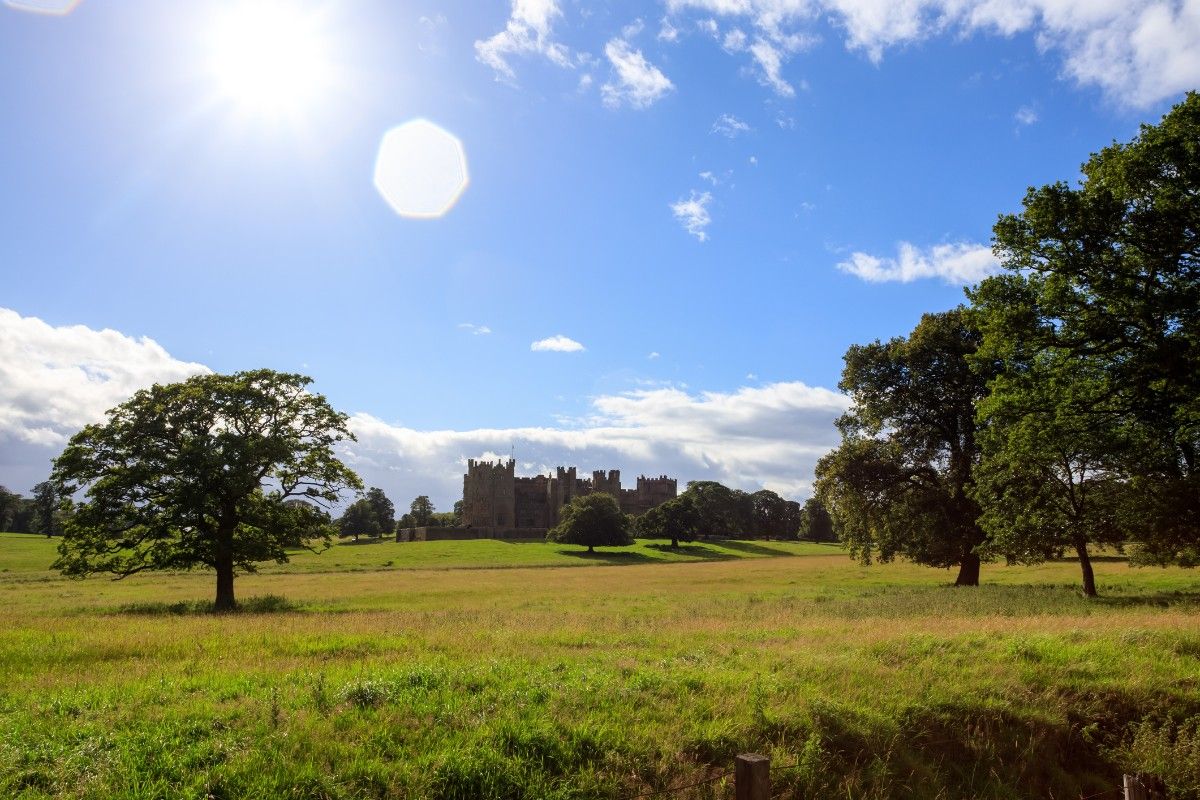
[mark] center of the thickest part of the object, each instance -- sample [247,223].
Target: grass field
[491,669]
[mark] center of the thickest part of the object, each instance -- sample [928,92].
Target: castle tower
[489,494]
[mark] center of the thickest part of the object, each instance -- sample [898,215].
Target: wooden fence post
[1143,787]
[752,777]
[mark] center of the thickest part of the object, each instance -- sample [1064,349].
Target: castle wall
[495,499]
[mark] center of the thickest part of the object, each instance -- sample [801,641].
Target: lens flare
[421,169]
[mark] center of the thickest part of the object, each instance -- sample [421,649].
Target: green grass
[490,669]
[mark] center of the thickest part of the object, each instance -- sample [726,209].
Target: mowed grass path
[490,669]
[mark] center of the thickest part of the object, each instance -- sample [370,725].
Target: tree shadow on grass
[750,548]
[697,551]
[611,556]
[266,604]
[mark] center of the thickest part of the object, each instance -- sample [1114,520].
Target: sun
[269,58]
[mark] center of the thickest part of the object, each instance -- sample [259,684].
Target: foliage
[1108,275]
[48,509]
[899,484]
[676,519]
[815,523]
[16,512]
[197,474]
[1046,481]
[722,511]
[773,517]
[592,520]
[381,506]
[359,518]
[420,511]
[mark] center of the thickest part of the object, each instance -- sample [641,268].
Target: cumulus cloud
[730,127]
[528,32]
[55,380]
[692,213]
[556,344]
[959,264]
[769,436]
[1138,52]
[636,82]
[477,330]
[1025,116]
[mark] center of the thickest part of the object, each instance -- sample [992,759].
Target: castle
[494,498]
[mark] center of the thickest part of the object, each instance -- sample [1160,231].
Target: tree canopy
[815,522]
[198,474]
[359,518]
[592,520]
[899,483]
[677,520]
[1105,276]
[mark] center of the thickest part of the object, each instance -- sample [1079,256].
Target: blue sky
[714,198]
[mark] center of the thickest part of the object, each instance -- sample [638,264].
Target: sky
[646,233]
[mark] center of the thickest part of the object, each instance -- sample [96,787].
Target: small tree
[421,510]
[198,474]
[675,519]
[769,512]
[592,520]
[359,518]
[815,522]
[47,509]
[382,508]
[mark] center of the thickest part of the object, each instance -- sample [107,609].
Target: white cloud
[708,176]
[959,264]
[653,355]
[770,60]
[528,32]
[477,330]
[1025,116]
[55,380]
[556,344]
[1138,52]
[667,32]
[753,160]
[637,82]
[692,213]
[749,438]
[729,126]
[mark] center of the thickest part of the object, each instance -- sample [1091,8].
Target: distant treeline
[41,513]
[1058,411]
[704,509]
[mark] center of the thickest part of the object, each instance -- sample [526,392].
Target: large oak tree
[900,482]
[1107,274]
[199,474]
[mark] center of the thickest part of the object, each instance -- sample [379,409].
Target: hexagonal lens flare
[58,8]
[421,169]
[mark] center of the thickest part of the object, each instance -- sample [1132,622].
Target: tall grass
[438,678]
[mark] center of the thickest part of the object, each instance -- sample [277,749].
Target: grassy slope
[426,679]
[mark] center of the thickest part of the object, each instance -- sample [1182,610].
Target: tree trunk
[675,543]
[591,549]
[1085,564]
[968,571]
[224,563]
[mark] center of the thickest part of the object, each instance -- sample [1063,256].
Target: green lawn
[490,669]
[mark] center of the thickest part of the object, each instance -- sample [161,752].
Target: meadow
[512,670]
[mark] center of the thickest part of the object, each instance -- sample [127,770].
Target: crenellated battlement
[493,497]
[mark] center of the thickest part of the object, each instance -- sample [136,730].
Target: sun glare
[270,58]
